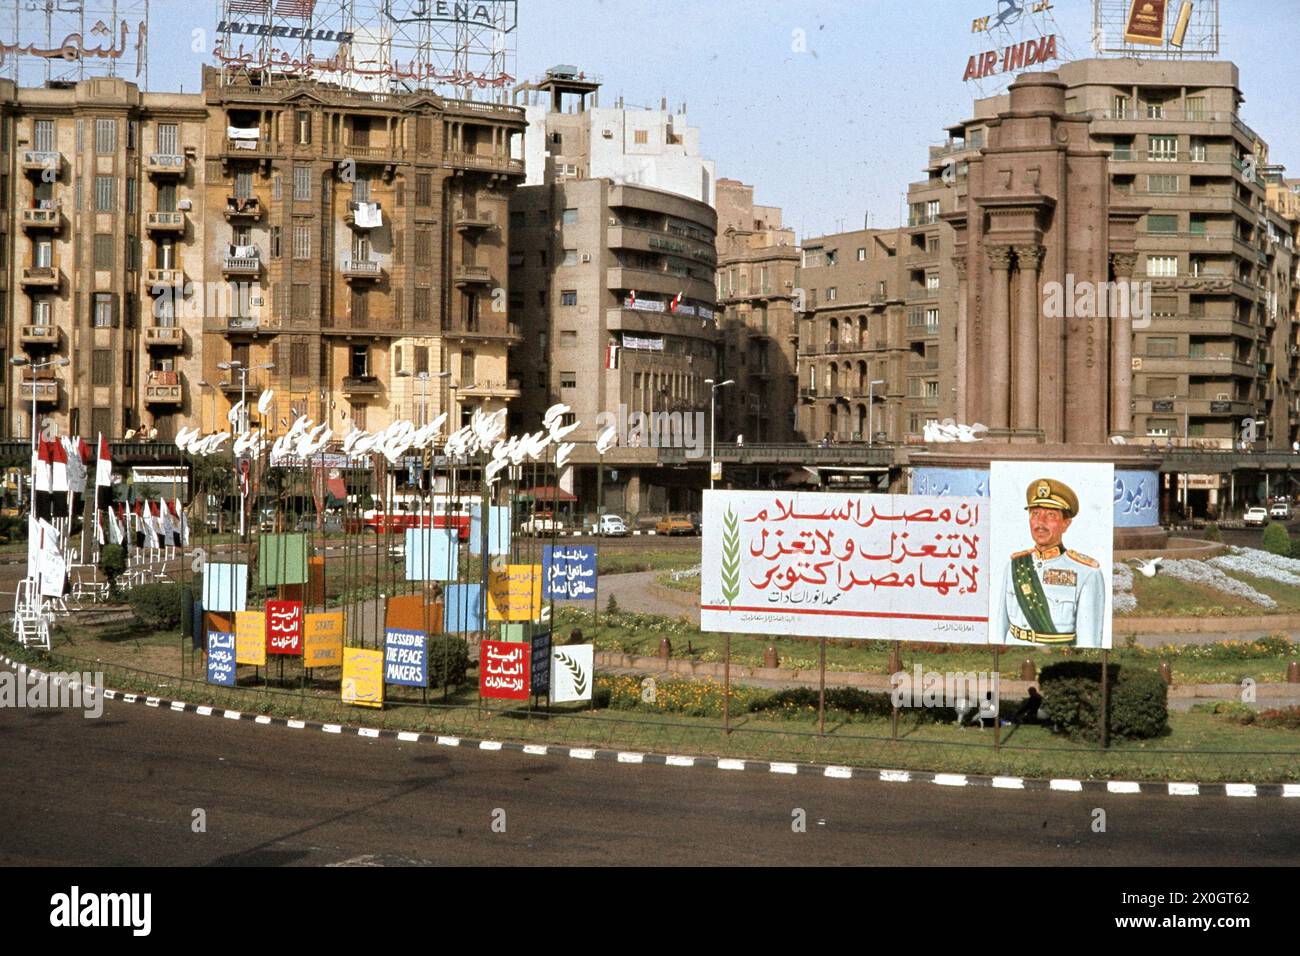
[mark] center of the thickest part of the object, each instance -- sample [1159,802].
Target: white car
[1256,516]
[1280,510]
[610,526]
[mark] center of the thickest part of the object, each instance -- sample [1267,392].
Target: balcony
[162,394]
[51,219]
[243,210]
[249,266]
[236,388]
[362,385]
[42,391]
[489,332]
[39,335]
[41,277]
[491,164]
[173,222]
[40,160]
[164,164]
[466,222]
[507,389]
[164,336]
[364,216]
[472,275]
[160,280]
[361,270]
[807,393]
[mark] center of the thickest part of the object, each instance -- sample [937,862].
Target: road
[122,790]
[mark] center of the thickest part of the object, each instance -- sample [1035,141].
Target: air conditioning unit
[586,257]
[1223,397]
[613,221]
[1137,364]
[185,205]
[607,133]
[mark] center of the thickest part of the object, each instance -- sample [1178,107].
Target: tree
[1277,540]
[112,562]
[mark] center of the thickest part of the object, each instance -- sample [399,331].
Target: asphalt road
[122,790]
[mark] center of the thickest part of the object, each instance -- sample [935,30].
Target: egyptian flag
[182,524]
[115,533]
[58,479]
[169,529]
[631,298]
[103,476]
[677,300]
[99,530]
[139,527]
[150,526]
[42,479]
[611,356]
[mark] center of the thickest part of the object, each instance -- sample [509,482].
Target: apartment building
[757,264]
[858,354]
[101,189]
[370,232]
[1159,164]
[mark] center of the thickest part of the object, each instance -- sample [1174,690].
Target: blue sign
[498,529]
[430,554]
[462,608]
[221,658]
[1136,494]
[541,669]
[569,572]
[406,658]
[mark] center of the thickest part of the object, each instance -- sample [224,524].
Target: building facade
[757,265]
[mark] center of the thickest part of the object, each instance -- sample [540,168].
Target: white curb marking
[489,745]
[950,779]
[231,714]
[1240,790]
[261,719]
[152,701]
[367,732]
[203,710]
[297,724]
[1123,786]
[783,768]
[407,736]
[1008,783]
[1291,789]
[1184,790]
[537,750]
[178,705]
[582,754]
[449,741]
[895,776]
[332,729]
[675,761]
[840,773]
[626,757]
[727,763]
[1074,786]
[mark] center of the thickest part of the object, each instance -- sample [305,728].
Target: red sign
[1018,56]
[284,627]
[503,670]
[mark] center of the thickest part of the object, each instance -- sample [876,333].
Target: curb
[715,763]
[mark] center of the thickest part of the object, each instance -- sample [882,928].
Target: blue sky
[829,134]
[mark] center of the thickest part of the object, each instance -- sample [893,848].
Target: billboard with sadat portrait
[823,564]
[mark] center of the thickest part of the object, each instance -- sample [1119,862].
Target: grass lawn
[1163,596]
[1199,746]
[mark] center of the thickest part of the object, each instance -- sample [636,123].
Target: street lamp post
[19,361]
[713,425]
[871,409]
[243,370]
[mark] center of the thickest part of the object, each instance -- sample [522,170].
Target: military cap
[1050,493]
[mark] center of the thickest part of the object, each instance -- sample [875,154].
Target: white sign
[1050,553]
[572,673]
[822,564]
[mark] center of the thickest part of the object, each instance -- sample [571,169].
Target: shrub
[1276,539]
[158,607]
[1295,547]
[1212,532]
[112,562]
[1286,718]
[1072,700]
[611,606]
[457,659]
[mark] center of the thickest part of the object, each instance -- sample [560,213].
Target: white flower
[1125,602]
[1122,579]
[1198,572]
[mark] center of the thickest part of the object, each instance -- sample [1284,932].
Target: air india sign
[1017,56]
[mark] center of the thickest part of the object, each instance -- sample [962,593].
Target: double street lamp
[713,427]
[19,361]
[243,370]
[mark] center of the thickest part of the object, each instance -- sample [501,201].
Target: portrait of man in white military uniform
[1050,594]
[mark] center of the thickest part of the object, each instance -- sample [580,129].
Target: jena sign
[449,11]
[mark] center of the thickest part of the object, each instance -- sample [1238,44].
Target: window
[301,240]
[1196,226]
[1196,151]
[304,127]
[932,282]
[569,297]
[1155,110]
[300,301]
[360,310]
[359,416]
[169,139]
[1196,107]
[244,184]
[43,136]
[862,255]
[43,254]
[1162,149]
[275,242]
[102,314]
[640,137]
[423,189]
[131,197]
[361,190]
[359,361]
[568,338]
[1162,266]
[831,293]
[1119,107]
[423,246]
[1162,223]
[467,369]
[101,421]
[302,183]
[932,320]
[104,190]
[1122,149]
[568,380]
[41,312]
[132,133]
[101,367]
[105,136]
[570,257]
[298,359]
[1162,346]
[1162,184]
[831,256]
[104,252]
[570,217]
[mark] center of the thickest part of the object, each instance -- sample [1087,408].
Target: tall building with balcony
[102,189]
[858,354]
[757,263]
[365,237]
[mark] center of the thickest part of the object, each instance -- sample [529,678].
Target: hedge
[1138,700]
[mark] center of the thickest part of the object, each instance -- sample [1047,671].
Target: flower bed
[1207,575]
[1260,564]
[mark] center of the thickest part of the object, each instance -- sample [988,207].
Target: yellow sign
[1146,22]
[322,640]
[515,594]
[363,677]
[250,637]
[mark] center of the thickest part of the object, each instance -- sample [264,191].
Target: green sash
[1030,596]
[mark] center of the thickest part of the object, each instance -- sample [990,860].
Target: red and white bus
[415,511]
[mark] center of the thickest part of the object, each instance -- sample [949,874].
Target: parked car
[1257,517]
[539,524]
[610,526]
[674,524]
[697,522]
[1281,510]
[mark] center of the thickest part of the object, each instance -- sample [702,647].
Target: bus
[420,511]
